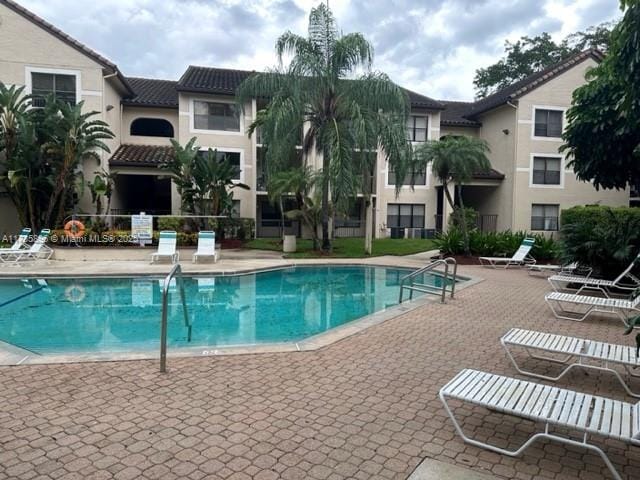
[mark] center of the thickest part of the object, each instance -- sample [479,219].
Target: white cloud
[430,46]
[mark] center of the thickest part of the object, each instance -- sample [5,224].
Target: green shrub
[497,244]
[469,214]
[604,238]
[184,239]
[450,242]
[546,248]
[170,223]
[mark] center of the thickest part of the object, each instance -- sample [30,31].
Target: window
[417,128]
[544,217]
[62,87]
[546,170]
[232,157]
[548,123]
[419,177]
[216,116]
[151,127]
[405,215]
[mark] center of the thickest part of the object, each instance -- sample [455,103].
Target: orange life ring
[74,228]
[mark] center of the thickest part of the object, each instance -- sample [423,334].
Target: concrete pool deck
[362,408]
[80,262]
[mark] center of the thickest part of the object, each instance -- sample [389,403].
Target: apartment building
[527,187]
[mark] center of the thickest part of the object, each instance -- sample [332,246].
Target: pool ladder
[176,272]
[408,281]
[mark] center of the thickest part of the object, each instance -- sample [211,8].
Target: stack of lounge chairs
[561,411]
[21,251]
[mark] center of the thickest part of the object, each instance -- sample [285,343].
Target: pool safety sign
[142,228]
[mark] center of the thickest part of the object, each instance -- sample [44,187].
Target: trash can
[289,244]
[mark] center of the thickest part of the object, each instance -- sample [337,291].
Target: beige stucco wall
[420,194]
[129,114]
[225,141]
[24,47]
[556,93]
[499,200]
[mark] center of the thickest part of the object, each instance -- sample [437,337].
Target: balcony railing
[484,223]
[409,232]
[348,228]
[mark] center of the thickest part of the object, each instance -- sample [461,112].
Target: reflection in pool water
[123,314]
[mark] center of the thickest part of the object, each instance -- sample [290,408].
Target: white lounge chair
[39,250]
[206,246]
[167,247]
[20,242]
[621,307]
[576,353]
[552,406]
[626,281]
[568,269]
[521,257]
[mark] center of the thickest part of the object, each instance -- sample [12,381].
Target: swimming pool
[62,316]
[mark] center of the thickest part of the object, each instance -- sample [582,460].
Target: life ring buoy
[75,293]
[74,228]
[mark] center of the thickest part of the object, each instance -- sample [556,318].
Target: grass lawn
[348,247]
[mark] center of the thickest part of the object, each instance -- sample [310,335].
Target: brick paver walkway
[363,408]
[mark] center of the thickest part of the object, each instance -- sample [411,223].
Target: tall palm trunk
[326,243]
[368,227]
[281,218]
[463,220]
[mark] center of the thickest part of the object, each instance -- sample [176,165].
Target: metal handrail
[431,288]
[176,272]
[454,279]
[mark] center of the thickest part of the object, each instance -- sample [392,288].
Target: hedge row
[494,244]
[604,238]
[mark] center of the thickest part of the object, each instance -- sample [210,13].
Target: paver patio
[365,407]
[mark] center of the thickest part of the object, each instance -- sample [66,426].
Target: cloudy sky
[430,46]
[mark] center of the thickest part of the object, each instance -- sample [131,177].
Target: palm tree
[15,133]
[204,182]
[296,181]
[73,137]
[344,113]
[181,166]
[310,213]
[455,159]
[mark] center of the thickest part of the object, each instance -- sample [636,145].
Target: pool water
[60,316]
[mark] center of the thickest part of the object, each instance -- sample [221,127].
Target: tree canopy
[602,138]
[532,54]
[41,150]
[455,159]
[348,109]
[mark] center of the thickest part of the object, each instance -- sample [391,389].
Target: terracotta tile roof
[492,174]
[418,100]
[454,113]
[150,92]
[531,82]
[141,156]
[466,113]
[211,80]
[72,42]
[225,81]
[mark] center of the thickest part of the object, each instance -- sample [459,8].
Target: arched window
[151,127]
